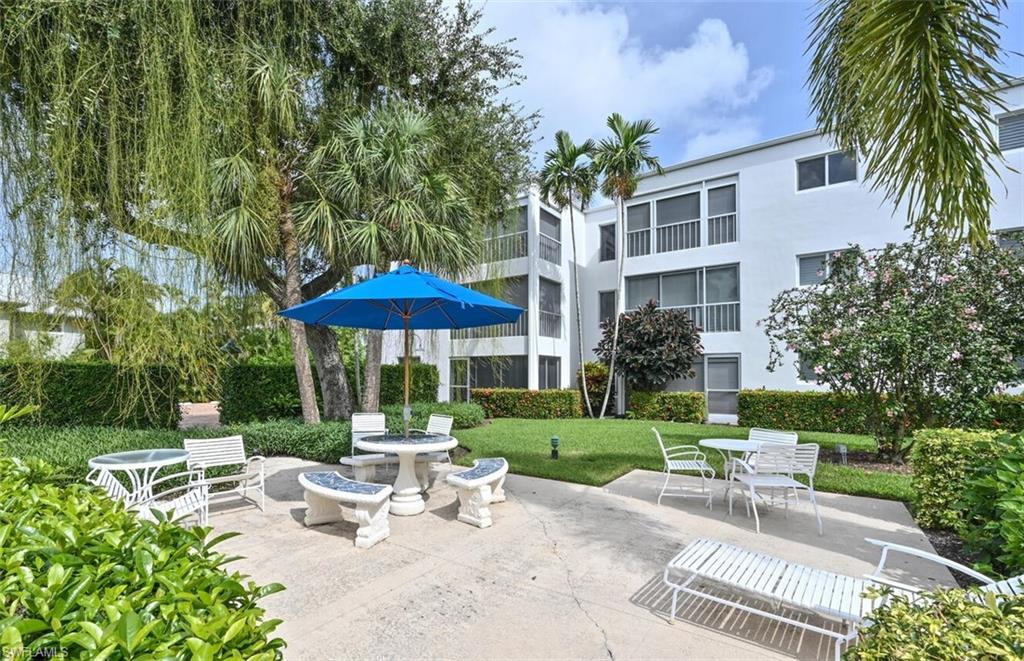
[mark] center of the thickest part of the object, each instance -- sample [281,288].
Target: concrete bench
[326,490]
[478,487]
[364,466]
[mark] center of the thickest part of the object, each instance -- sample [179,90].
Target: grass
[595,452]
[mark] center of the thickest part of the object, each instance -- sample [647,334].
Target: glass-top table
[140,466]
[407,497]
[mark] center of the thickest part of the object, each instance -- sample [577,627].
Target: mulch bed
[949,545]
[868,461]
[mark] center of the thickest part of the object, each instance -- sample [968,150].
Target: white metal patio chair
[780,583]
[438,424]
[367,424]
[191,498]
[248,472]
[684,459]
[776,467]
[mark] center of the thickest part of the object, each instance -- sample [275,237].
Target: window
[511,290]
[1011,240]
[550,225]
[711,295]
[641,289]
[722,200]
[548,372]
[606,305]
[829,169]
[1011,131]
[813,269]
[638,230]
[805,371]
[716,376]
[608,242]
[550,308]
[679,209]
[485,372]
[638,217]
[458,378]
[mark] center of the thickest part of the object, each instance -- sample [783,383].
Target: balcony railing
[550,249]
[722,229]
[550,324]
[515,329]
[714,317]
[679,236]
[504,246]
[638,242]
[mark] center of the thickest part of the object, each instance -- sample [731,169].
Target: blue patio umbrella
[405,299]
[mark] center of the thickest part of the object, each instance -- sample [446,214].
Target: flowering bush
[655,345]
[921,330]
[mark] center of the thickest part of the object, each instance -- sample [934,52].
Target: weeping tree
[909,86]
[183,133]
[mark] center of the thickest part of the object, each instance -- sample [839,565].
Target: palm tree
[620,159]
[909,86]
[569,178]
[382,197]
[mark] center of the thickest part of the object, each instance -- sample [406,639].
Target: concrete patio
[567,571]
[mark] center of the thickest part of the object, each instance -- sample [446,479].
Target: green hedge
[271,392]
[682,406]
[69,449]
[523,403]
[947,624]
[465,415]
[89,579]
[424,380]
[93,394]
[845,412]
[943,461]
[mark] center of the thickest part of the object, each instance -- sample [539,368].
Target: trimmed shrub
[92,394]
[523,403]
[682,406]
[424,380]
[944,460]
[91,580]
[948,624]
[465,414]
[848,413]
[597,381]
[992,509]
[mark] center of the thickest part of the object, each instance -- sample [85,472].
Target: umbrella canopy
[405,298]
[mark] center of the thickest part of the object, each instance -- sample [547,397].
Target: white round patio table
[407,497]
[140,466]
[727,446]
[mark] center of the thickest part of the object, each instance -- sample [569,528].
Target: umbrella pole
[407,412]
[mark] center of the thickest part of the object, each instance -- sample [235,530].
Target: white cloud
[742,131]
[583,62]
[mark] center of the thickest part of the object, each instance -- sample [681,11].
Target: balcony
[550,250]
[516,329]
[679,236]
[504,246]
[638,243]
[722,229]
[550,324]
[715,317]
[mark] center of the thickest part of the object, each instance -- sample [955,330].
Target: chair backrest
[772,436]
[778,459]
[209,452]
[367,424]
[440,424]
[1011,586]
[105,480]
[661,444]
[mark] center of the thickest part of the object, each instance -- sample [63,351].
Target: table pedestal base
[407,499]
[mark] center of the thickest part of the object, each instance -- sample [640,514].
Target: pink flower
[791,347]
[970,311]
[819,370]
[836,351]
[870,274]
[946,278]
[956,355]
[975,326]
[1003,273]
[886,305]
[847,376]
[826,343]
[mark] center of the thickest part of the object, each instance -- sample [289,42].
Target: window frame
[601,243]
[543,365]
[1012,115]
[827,254]
[827,183]
[600,294]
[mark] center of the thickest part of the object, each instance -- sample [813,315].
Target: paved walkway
[566,571]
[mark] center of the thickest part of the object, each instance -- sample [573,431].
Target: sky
[712,75]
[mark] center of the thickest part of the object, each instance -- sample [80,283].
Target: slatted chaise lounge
[832,596]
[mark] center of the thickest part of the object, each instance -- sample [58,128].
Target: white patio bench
[478,487]
[836,597]
[206,453]
[326,490]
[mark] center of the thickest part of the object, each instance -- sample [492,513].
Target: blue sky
[713,75]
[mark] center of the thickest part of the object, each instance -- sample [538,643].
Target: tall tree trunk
[330,370]
[371,371]
[620,233]
[293,296]
[579,312]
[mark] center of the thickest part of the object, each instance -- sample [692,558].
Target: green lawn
[596,452]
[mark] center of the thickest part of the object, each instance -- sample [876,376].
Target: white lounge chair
[247,472]
[775,468]
[762,435]
[685,459]
[437,424]
[178,502]
[836,597]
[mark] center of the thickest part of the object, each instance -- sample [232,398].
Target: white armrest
[195,475]
[918,553]
[683,447]
[165,494]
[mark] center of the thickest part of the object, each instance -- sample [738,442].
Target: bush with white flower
[924,331]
